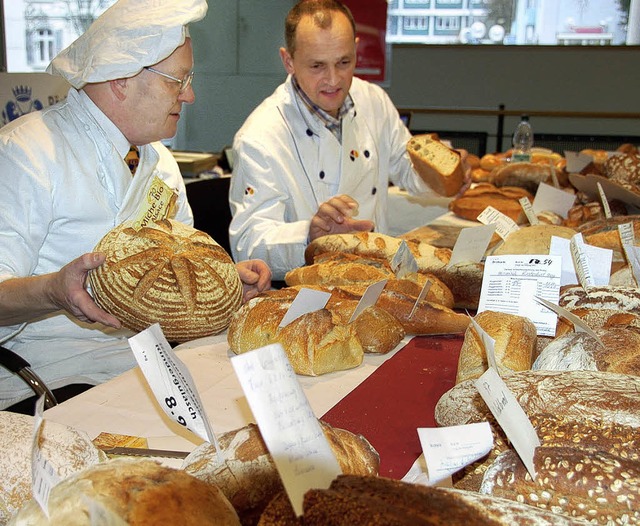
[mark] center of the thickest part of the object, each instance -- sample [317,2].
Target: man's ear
[119,88]
[287,61]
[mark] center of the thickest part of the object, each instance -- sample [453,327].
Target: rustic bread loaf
[68,450]
[604,233]
[594,486]
[532,239]
[332,273]
[167,273]
[515,341]
[599,319]
[610,397]
[618,353]
[136,492]
[249,477]
[504,199]
[381,501]
[438,165]
[523,175]
[624,168]
[625,299]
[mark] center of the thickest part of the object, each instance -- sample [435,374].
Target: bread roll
[167,273]
[579,395]
[618,353]
[515,340]
[136,492]
[437,164]
[593,486]
[506,200]
[376,500]
[533,239]
[68,451]
[249,477]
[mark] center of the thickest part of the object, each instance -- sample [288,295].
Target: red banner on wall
[371,29]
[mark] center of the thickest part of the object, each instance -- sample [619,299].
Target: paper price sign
[510,415]
[488,343]
[43,474]
[306,301]
[581,261]
[171,382]
[290,430]
[503,223]
[403,262]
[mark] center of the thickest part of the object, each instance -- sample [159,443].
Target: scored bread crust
[437,165]
[504,199]
[67,449]
[248,476]
[167,273]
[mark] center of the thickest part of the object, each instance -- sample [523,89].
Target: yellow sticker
[160,203]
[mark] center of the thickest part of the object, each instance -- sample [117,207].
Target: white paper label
[553,199]
[403,262]
[576,161]
[43,474]
[510,415]
[510,283]
[554,175]
[528,211]
[171,382]
[578,323]
[628,238]
[605,202]
[581,261]
[471,244]
[504,224]
[288,426]
[449,449]
[369,298]
[421,296]
[600,258]
[488,344]
[306,301]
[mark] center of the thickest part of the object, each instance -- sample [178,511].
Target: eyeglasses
[184,83]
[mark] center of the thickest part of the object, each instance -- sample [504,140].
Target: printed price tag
[488,343]
[369,298]
[510,415]
[600,259]
[504,224]
[288,426]
[43,474]
[581,261]
[605,202]
[449,449]
[307,300]
[628,238]
[171,382]
[403,262]
[554,175]
[160,203]
[510,282]
[528,211]
[471,244]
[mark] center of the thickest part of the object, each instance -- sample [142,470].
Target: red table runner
[399,397]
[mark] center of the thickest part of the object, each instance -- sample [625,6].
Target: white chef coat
[287,163]
[64,184]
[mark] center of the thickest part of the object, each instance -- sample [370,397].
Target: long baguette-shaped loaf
[625,299]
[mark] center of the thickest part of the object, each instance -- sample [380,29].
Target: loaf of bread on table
[67,449]
[618,351]
[504,199]
[249,478]
[579,395]
[135,492]
[437,164]
[532,239]
[604,233]
[594,486]
[623,299]
[167,273]
[524,175]
[515,341]
[377,500]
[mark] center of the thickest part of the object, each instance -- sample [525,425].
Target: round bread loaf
[134,492]
[505,199]
[167,273]
[533,239]
[249,477]
[67,450]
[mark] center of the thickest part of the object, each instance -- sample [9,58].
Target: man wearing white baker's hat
[66,178]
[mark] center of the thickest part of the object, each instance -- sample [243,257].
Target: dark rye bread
[578,395]
[590,485]
[378,501]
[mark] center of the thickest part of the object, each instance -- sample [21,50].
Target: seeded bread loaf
[134,492]
[249,477]
[594,486]
[438,165]
[166,273]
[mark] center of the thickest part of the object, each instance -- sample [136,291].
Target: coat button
[309,132]
[374,190]
[322,174]
[367,154]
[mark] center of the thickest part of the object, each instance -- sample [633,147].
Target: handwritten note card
[290,430]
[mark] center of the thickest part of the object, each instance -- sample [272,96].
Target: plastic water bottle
[522,141]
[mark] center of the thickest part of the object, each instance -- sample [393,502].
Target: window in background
[513,22]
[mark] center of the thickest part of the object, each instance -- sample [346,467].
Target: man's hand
[334,217]
[255,275]
[66,289]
